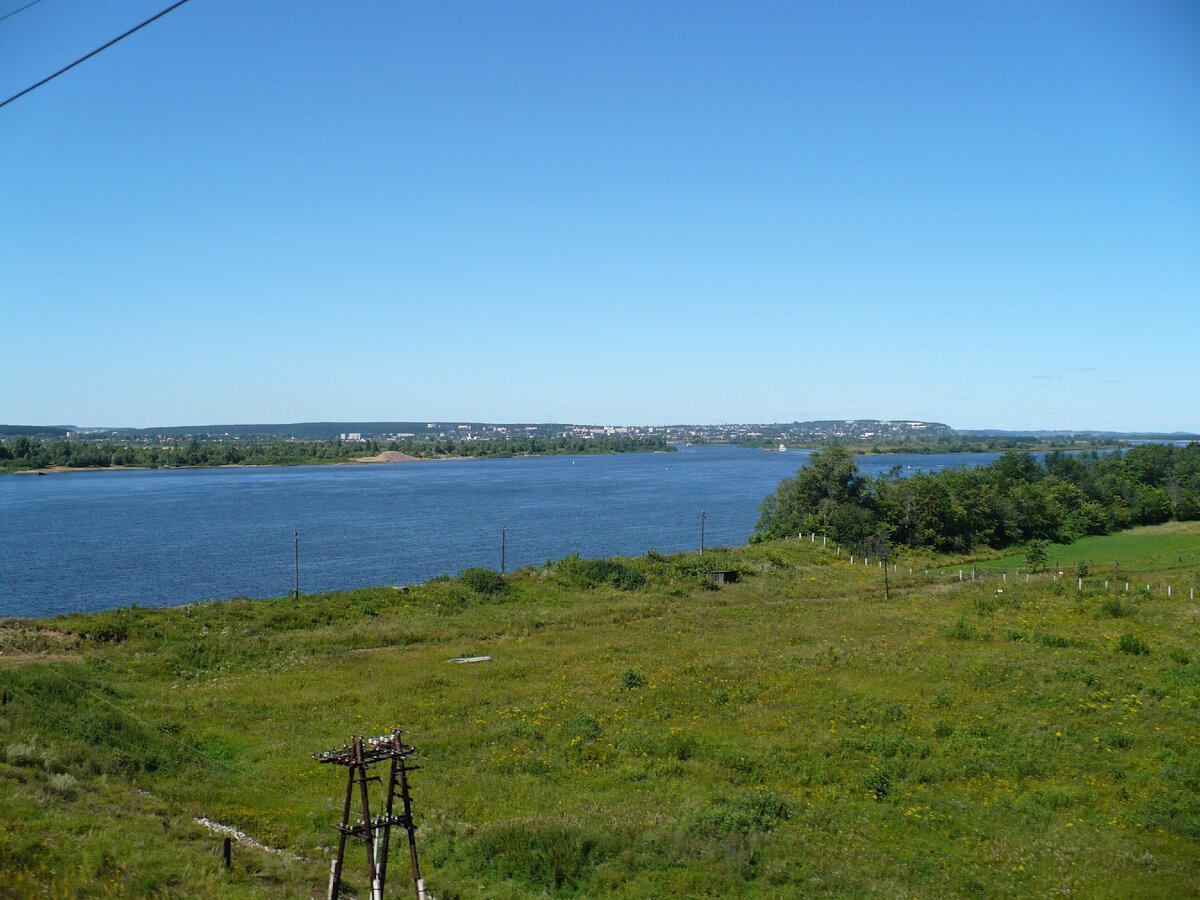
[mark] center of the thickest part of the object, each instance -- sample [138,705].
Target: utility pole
[702,517]
[375,832]
[1116,595]
[296,535]
[503,549]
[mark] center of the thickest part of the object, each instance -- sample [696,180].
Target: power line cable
[138,718]
[228,768]
[74,727]
[133,751]
[93,53]
[21,9]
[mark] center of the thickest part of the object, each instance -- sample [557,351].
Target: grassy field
[637,733]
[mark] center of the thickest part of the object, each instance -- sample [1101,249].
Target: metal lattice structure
[358,757]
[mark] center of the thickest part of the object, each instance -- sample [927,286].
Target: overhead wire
[71,724]
[93,53]
[138,718]
[228,768]
[52,713]
[21,9]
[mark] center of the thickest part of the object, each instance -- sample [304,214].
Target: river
[83,541]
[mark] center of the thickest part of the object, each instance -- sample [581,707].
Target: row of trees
[1059,497]
[946,443]
[23,453]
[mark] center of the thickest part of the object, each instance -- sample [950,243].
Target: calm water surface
[96,540]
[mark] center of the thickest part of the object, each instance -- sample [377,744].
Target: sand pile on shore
[387,456]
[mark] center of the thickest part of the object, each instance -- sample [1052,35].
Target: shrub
[590,573]
[20,754]
[679,745]
[757,812]
[110,629]
[484,581]
[1050,640]
[64,784]
[878,784]
[964,630]
[985,605]
[1121,740]
[1181,656]
[1113,608]
[582,725]
[554,858]
[1133,645]
[631,680]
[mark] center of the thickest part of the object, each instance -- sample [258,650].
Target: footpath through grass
[638,733]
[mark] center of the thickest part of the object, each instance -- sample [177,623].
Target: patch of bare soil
[387,456]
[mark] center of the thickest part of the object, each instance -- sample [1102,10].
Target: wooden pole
[372,873]
[411,828]
[335,873]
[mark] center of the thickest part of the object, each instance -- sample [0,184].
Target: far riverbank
[47,458]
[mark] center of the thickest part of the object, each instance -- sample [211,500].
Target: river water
[85,541]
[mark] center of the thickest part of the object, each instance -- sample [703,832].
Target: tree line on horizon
[23,453]
[1020,497]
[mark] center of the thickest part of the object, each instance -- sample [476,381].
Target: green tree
[828,495]
[1036,554]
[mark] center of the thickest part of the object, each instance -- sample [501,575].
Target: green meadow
[638,732]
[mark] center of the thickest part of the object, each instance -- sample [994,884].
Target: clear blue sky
[985,214]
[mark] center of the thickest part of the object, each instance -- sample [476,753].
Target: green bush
[1050,640]
[878,783]
[484,581]
[551,858]
[1133,645]
[757,812]
[582,725]
[590,573]
[1113,608]
[631,680]
[964,630]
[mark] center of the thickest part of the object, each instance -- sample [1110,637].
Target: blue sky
[985,214]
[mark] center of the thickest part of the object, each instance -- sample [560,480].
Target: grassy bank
[638,733]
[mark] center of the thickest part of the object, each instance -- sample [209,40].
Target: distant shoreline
[386,457]
[359,461]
